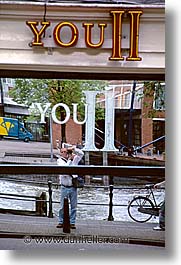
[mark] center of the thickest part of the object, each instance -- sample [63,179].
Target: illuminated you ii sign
[39,28]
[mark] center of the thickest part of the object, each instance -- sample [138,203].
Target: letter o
[75,34]
[67,110]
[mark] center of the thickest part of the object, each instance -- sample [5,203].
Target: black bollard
[66,218]
[110,217]
[50,214]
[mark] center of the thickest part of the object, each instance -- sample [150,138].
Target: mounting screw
[30,44]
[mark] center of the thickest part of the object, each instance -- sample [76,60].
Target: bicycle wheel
[138,209]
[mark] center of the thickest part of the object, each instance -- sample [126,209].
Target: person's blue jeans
[162,216]
[71,194]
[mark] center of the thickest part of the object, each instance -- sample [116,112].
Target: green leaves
[154,97]
[28,91]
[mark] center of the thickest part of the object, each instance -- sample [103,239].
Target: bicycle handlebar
[149,186]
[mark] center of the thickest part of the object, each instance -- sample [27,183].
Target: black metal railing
[121,171]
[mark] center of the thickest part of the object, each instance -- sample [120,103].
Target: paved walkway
[20,146]
[15,226]
[14,151]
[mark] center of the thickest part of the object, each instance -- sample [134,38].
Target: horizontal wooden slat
[124,171]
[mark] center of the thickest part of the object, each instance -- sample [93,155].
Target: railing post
[66,218]
[110,217]
[50,213]
[41,204]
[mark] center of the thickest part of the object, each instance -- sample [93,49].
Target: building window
[159,97]
[126,103]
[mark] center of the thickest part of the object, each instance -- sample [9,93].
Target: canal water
[87,199]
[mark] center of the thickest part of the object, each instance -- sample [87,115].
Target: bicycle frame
[145,204]
[153,196]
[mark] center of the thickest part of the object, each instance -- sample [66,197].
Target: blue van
[14,129]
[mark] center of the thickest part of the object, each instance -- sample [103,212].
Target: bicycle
[141,208]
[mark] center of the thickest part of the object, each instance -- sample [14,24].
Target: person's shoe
[158,228]
[72,226]
[59,226]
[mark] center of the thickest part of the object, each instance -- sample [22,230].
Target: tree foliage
[154,97]
[71,91]
[29,91]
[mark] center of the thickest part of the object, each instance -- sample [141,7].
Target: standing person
[68,156]
[161,226]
